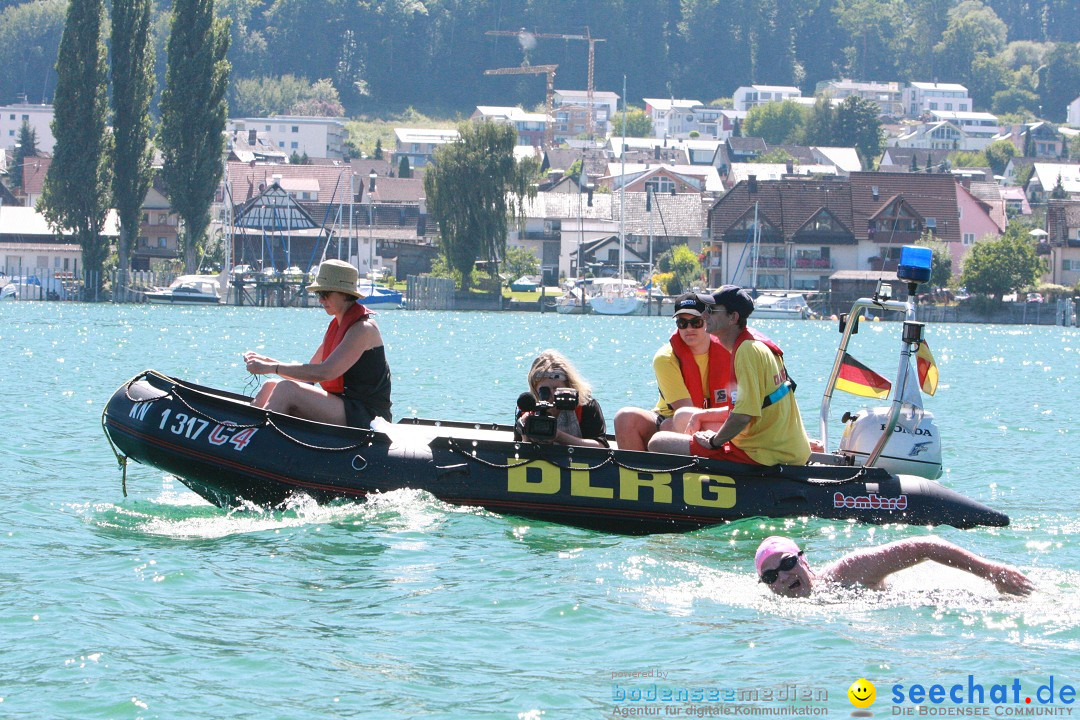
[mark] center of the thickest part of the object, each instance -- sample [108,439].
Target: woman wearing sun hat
[347,380]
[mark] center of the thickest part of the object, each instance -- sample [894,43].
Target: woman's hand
[259,364]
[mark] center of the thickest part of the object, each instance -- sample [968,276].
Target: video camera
[534,417]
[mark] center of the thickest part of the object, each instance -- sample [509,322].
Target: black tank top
[368,381]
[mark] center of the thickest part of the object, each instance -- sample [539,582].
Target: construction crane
[524,35]
[549,124]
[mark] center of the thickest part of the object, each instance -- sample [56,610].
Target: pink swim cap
[773,545]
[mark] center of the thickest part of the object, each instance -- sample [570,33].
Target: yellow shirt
[775,435]
[669,378]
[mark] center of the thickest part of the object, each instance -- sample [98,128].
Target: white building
[1072,113]
[671,118]
[980,128]
[317,137]
[922,97]
[605,106]
[748,96]
[29,244]
[418,144]
[529,126]
[888,96]
[39,117]
[940,135]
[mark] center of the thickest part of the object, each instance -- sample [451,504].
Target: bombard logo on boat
[540,477]
[870,501]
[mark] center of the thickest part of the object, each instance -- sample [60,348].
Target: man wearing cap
[692,370]
[347,380]
[763,426]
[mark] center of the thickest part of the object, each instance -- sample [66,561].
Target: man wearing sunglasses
[782,566]
[763,426]
[692,370]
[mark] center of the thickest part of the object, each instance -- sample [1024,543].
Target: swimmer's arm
[870,567]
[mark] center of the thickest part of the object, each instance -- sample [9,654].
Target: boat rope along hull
[230,453]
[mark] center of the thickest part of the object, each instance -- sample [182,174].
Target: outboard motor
[906,452]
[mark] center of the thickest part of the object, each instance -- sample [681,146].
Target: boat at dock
[188,290]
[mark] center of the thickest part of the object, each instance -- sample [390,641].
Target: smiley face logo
[862,693]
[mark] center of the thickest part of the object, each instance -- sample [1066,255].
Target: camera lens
[545,393]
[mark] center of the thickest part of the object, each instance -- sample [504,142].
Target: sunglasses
[786,564]
[323,294]
[694,322]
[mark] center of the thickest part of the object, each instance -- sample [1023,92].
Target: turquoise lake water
[159,605]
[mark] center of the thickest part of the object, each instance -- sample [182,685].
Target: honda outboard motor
[907,452]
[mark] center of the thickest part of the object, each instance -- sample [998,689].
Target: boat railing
[848,326]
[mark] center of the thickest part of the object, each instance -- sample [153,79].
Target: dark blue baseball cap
[734,299]
[693,304]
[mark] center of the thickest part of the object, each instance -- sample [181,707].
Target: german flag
[927,368]
[857,379]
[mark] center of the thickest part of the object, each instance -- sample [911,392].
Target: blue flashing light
[914,264]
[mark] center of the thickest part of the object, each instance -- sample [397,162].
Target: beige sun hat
[336,276]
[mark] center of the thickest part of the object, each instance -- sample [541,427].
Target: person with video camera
[559,407]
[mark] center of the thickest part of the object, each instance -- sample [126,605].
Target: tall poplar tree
[132,89]
[193,118]
[76,192]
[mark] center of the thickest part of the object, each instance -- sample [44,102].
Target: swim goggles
[787,563]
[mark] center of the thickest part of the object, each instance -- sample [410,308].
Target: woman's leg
[306,401]
[265,391]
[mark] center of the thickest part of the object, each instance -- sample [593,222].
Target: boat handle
[444,470]
[363,463]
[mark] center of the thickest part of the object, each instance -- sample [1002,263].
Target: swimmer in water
[783,568]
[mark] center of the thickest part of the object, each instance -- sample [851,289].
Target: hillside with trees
[373,57]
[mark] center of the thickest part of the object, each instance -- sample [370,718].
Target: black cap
[693,304]
[735,299]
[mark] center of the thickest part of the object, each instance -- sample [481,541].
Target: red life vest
[335,333]
[719,377]
[750,334]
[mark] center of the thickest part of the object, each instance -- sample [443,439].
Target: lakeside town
[820,221]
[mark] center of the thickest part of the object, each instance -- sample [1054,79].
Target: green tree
[378,149]
[29,37]
[1014,100]
[473,188]
[193,118]
[973,28]
[940,260]
[403,169]
[25,147]
[638,124]
[968,158]
[1058,193]
[857,125]
[998,154]
[520,261]
[1060,80]
[774,122]
[914,167]
[132,90]
[819,125]
[685,268]
[76,191]
[1005,265]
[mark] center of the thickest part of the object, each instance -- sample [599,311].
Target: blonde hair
[554,361]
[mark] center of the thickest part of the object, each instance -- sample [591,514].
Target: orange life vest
[335,333]
[719,376]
